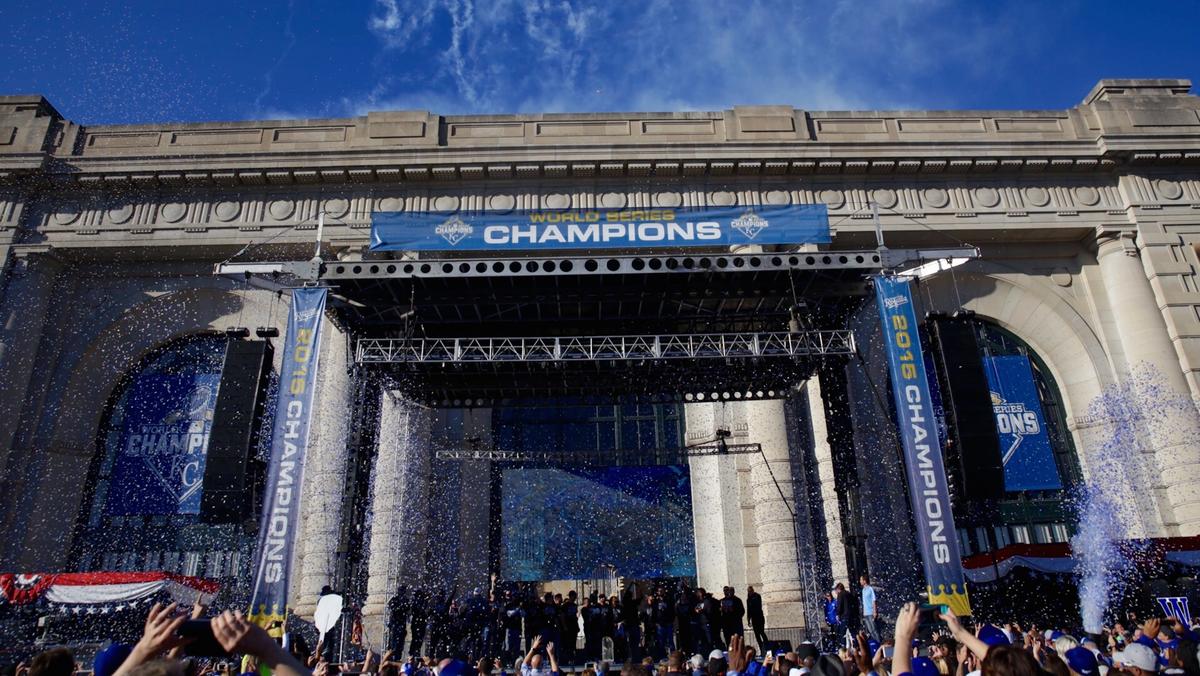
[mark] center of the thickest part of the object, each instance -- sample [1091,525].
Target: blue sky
[102,61]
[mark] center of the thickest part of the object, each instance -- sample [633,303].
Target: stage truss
[604,348]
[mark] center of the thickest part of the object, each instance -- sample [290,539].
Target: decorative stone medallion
[833,198]
[446,203]
[1168,188]
[722,198]
[336,207]
[69,214]
[120,215]
[885,197]
[778,197]
[1087,195]
[556,200]
[668,199]
[281,210]
[502,202]
[987,197]
[936,197]
[1037,196]
[227,211]
[173,212]
[613,200]
[391,204]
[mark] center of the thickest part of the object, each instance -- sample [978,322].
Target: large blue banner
[289,443]
[1024,441]
[551,530]
[599,228]
[159,467]
[936,534]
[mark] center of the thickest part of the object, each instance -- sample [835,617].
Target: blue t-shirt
[868,601]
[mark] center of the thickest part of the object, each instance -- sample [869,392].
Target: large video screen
[564,523]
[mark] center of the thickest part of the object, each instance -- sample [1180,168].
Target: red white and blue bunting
[103,592]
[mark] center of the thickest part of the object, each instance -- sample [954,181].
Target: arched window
[1039,515]
[147,481]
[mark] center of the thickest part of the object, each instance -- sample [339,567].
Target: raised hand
[737,653]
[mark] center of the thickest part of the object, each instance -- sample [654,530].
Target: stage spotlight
[237,332]
[266,332]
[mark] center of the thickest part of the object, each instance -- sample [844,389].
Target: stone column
[716,509]
[782,592]
[398,508]
[474,511]
[1145,342]
[325,471]
[32,277]
[825,475]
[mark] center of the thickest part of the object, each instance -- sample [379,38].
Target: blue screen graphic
[1021,425]
[564,523]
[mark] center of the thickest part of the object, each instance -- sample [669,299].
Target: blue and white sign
[927,486]
[159,466]
[289,443]
[599,228]
[1177,607]
[1024,442]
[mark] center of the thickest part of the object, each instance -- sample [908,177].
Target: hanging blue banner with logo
[159,466]
[1024,441]
[289,443]
[599,228]
[936,534]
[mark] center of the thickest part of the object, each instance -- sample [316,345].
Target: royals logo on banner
[1025,444]
[936,535]
[289,443]
[599,228]
[164,440]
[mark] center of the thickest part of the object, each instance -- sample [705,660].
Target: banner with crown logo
[600,228]
[289,443]
[937,538]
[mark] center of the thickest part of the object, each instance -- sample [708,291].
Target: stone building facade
[1088,221]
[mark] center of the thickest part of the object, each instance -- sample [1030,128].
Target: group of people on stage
[666,618]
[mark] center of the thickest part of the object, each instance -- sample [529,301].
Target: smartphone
[929,612]
[203,644]
[888,651]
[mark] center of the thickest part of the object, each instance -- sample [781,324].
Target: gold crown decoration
[958,600]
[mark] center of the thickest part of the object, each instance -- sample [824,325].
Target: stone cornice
[1122,122]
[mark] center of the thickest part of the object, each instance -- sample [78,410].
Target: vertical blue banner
[289,443]
[1021,425]
[936,534]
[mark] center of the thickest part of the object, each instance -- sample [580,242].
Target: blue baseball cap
[454,668]
[1082,661]
[993,635]
[110,659]
[923,666]
[873,646]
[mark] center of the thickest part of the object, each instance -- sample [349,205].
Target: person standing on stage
[758,622]
[420,621]
[869,610]
[631,601]
[568,614]
[510,619]
[732,614]
[399,608]
[842,609]
[593,620]
[663,612]
[684,638]
[831,619]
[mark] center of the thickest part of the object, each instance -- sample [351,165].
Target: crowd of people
[656,623]
[926,642]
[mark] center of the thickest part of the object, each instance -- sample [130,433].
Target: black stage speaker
[968,404]
[231,471]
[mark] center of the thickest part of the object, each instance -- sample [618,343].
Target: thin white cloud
[568,55]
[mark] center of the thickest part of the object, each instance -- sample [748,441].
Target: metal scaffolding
[593,457]
[604,348]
